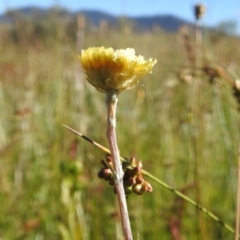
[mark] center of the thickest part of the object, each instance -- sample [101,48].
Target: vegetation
[185,133]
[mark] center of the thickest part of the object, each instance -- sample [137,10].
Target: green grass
[187,138]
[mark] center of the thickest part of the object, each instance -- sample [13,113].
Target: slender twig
[118,171]
[163,184]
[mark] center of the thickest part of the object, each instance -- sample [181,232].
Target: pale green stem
[117,165]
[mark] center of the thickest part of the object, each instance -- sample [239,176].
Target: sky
[217,10]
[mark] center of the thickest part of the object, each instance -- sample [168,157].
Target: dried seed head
[199,11]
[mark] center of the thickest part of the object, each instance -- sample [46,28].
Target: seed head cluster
[133,178]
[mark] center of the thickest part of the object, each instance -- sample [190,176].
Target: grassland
[185,134]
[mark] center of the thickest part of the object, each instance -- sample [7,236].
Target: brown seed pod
[132,172]
[139,178]
[108,175]
[101,173]
[109,158]
[137,188]
[129,181]
[147,187]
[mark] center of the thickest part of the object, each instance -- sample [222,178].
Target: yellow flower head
[118,70]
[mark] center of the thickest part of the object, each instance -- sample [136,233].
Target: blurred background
[217,13]
[182,121]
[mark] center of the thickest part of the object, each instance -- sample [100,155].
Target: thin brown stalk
[198,36]
[188,46]
[118,172]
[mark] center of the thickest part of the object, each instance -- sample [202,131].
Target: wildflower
[109,70]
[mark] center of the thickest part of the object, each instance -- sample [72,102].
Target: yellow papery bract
[118,70]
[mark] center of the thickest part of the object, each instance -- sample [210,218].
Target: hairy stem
[118,172]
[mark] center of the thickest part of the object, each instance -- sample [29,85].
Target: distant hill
[166,22]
